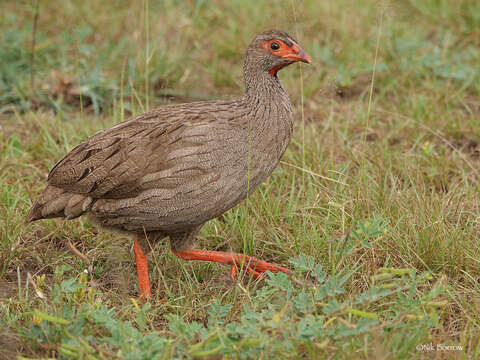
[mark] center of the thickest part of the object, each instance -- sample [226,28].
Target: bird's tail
[55,202]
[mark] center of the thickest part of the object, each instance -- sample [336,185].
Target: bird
[166,172]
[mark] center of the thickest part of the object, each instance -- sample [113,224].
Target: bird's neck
[270,117]
[264,91]
[261,84]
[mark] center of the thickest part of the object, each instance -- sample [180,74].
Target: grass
[375,204]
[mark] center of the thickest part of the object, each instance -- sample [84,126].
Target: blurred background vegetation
[386,145]
[194,48]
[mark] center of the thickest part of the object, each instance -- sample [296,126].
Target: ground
[375,205]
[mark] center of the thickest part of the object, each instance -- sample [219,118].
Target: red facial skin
[293,53]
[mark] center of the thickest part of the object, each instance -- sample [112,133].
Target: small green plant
[310,313]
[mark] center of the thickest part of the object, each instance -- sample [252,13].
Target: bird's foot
[252,265]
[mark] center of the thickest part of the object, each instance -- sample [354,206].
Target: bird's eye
[274,46]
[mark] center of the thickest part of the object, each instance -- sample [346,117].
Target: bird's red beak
[297,54]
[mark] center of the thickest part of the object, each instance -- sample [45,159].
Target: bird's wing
[133,156]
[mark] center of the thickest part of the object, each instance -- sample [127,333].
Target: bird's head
[275,49]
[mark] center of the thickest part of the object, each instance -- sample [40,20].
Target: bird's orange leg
[254,266]
[142,270]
